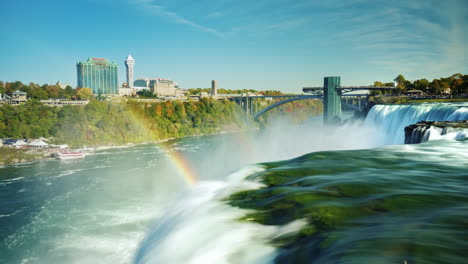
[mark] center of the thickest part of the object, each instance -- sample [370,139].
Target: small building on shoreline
[20,144]
[38,144]
[62,102]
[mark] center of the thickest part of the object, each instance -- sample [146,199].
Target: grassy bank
[106,123]
[409,100]
[116,124]
[10,156]
[297,111]
[438,100]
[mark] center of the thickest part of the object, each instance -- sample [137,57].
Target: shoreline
[28,158]
[129,145]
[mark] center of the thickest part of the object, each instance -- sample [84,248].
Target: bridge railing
[366,87]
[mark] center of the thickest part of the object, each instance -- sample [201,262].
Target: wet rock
[421,131]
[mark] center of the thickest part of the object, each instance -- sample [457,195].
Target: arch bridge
[335,97]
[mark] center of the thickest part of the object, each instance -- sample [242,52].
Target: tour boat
[70,155]
[86,149]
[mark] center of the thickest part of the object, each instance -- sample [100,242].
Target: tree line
[107,123]
[45,91]
[194,91]
[457,84]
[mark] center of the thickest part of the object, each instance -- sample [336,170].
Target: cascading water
[391,120]
[201,228]
[326,196]
[447,133]
[345,202]
[424,131]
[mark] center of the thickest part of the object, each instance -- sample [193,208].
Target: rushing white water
[200,228]
[391,120]
[436,133]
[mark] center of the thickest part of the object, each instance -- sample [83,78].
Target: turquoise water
[383,205]
[288,194]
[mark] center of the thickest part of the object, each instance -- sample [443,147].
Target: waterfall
[201,228]
[391,120]
[424,131]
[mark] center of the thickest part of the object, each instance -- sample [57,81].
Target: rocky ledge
[425,130]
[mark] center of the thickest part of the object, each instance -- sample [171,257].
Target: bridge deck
[276,96]
[291,96]
[353,88]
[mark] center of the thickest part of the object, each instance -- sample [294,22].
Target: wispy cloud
[402,33]
[159,10]
[417,38]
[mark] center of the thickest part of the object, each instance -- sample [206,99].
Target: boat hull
[70,155]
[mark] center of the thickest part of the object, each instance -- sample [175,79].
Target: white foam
[150,164]
[14,179]
[451,134]
[391,120]
[200,228]
[10,181]
[12,214]
[67,173]
[99,248]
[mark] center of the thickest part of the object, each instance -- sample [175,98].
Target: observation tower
[129,63]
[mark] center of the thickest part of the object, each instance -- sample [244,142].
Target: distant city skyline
[262,45]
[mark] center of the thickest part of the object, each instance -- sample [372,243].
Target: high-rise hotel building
[98,74]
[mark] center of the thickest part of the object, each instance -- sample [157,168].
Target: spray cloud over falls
[282,140]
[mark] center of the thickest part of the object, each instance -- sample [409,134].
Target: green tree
[272,93]
[84,93]
[435,87]
[29,120]
[2,87]
[401,84]
[422,85]
[460,86]
[71,126]
[375,93]
[39,94]
[54,91]
[146,94]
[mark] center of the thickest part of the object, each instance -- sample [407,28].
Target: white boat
[70,155]
[86,150]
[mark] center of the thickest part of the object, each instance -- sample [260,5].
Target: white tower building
[214,88]
[129,62]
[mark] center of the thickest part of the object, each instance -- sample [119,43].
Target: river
[286,194]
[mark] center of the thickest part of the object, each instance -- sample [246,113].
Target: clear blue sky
[262,44]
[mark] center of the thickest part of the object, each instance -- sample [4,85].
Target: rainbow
[180,162]
[183,165]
